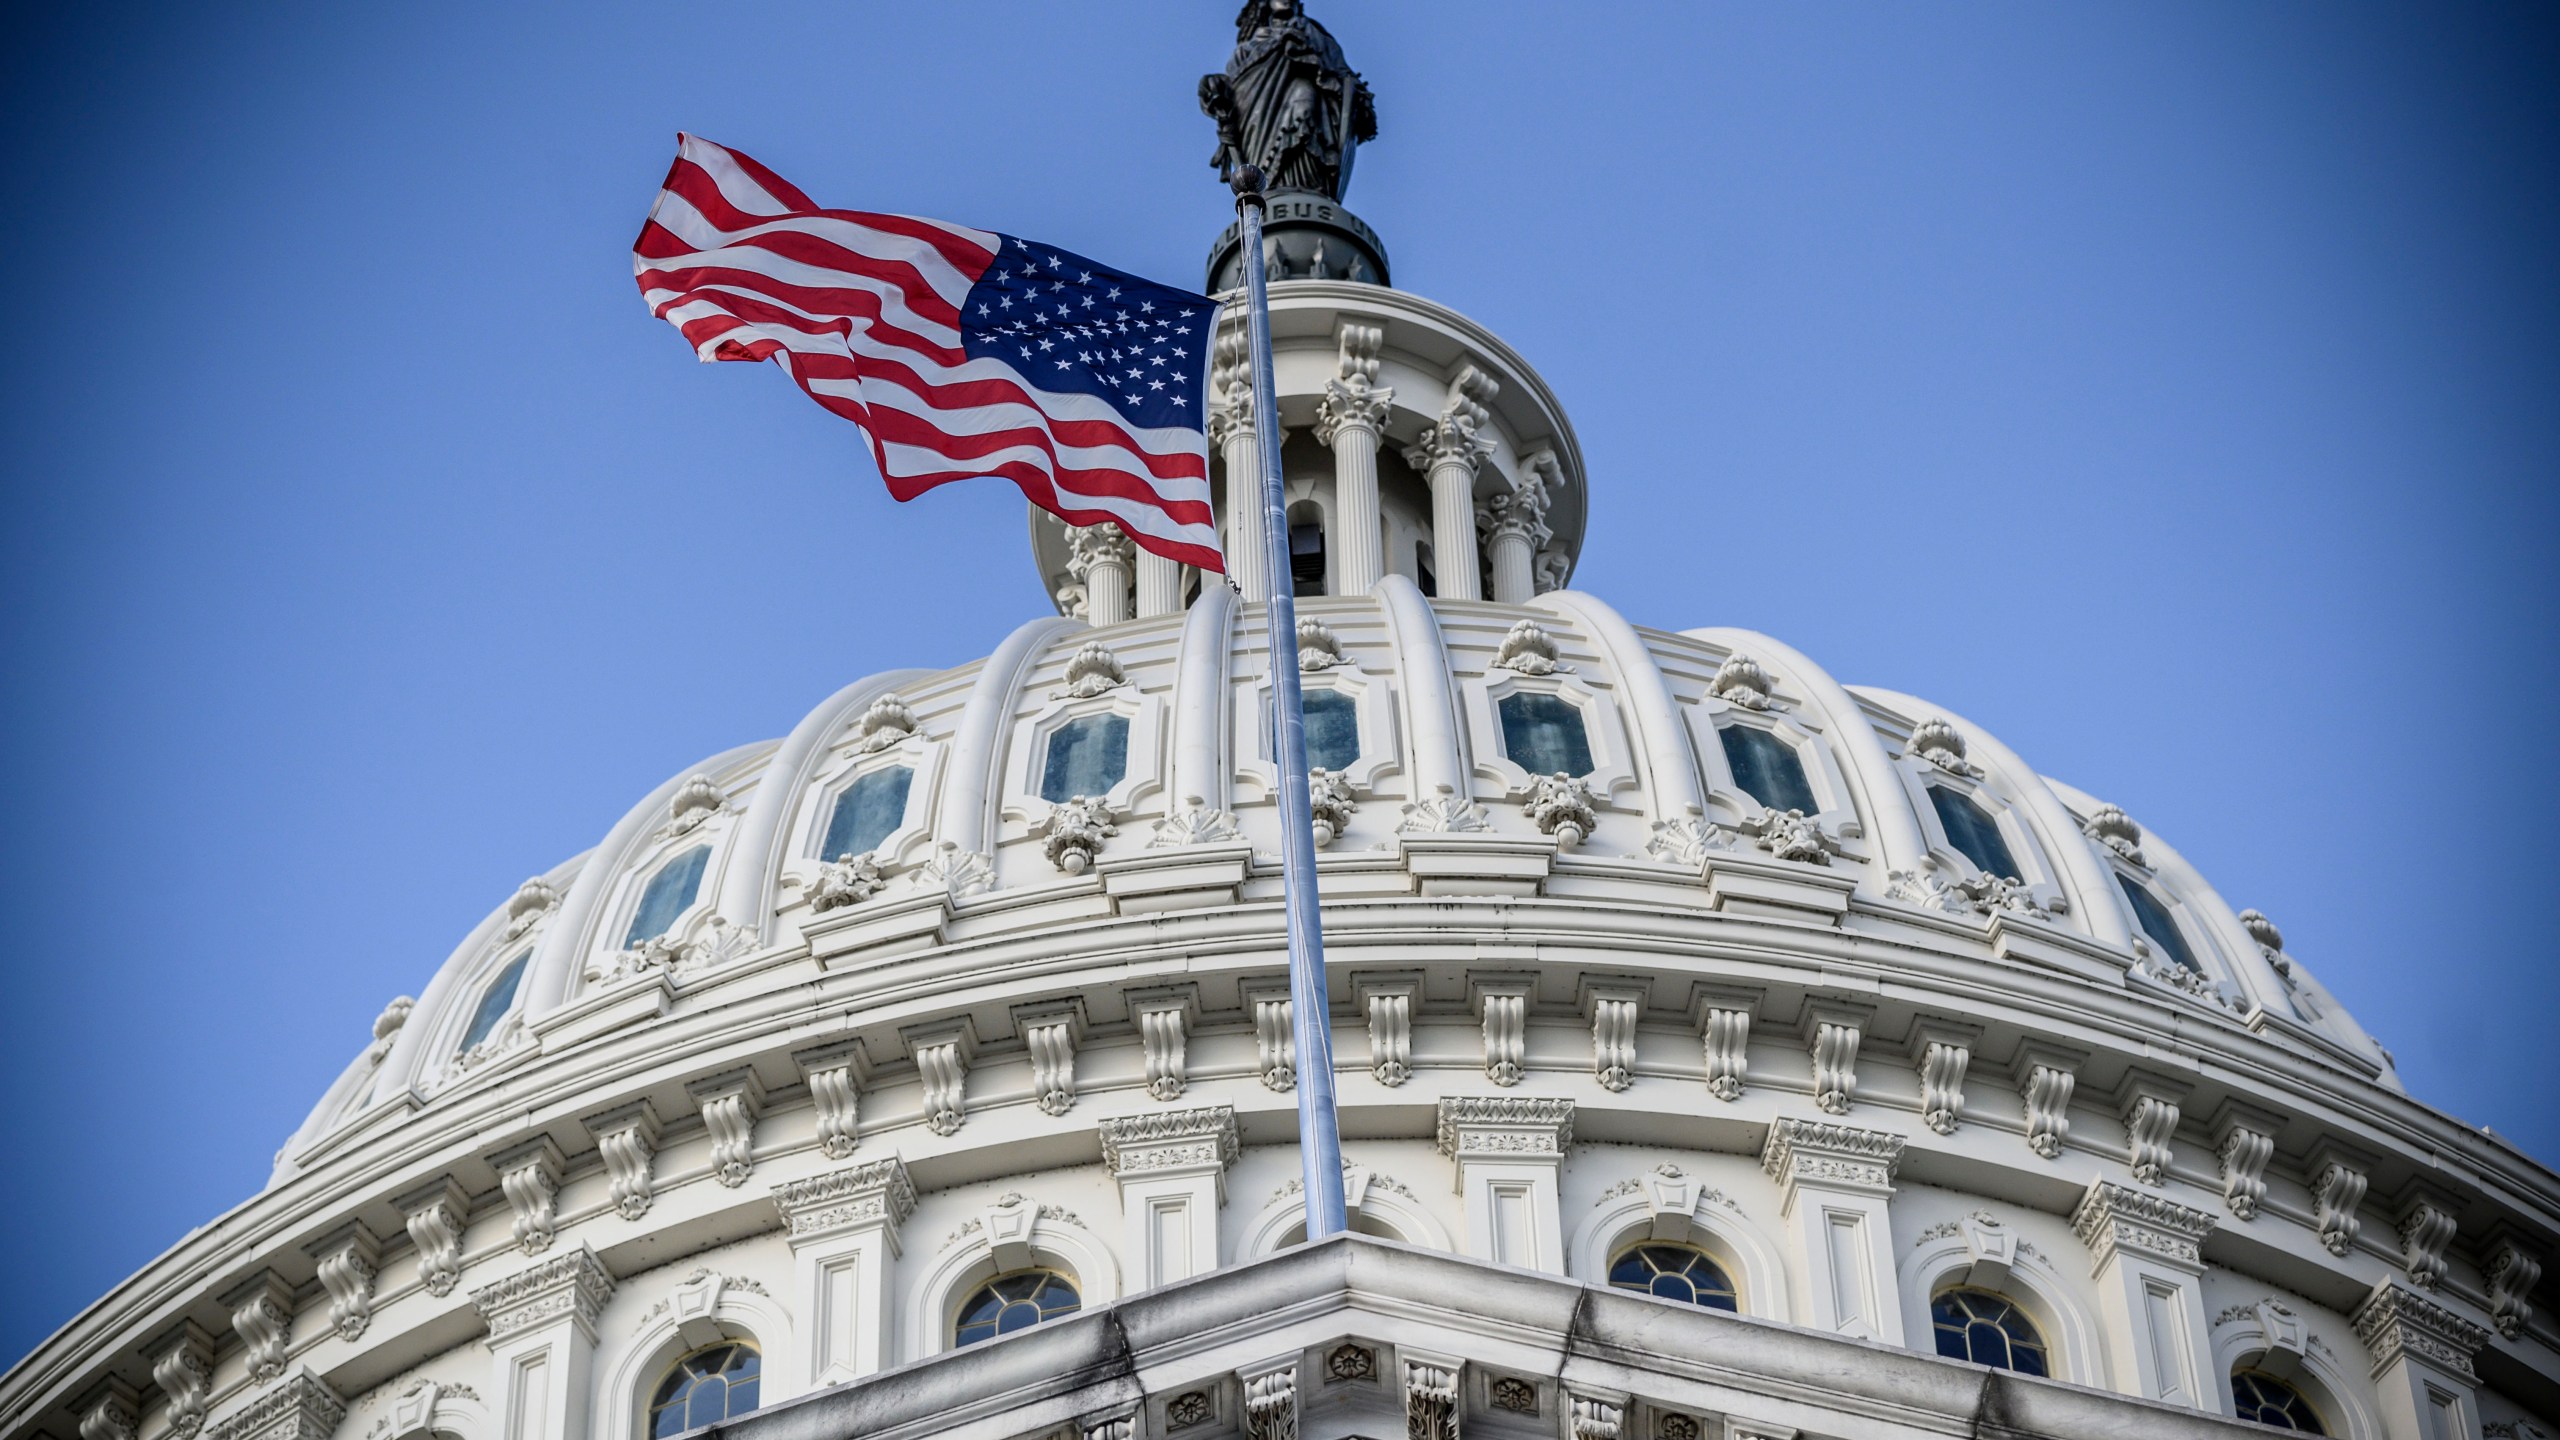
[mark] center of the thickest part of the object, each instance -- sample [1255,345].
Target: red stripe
[702,190]
[746,315]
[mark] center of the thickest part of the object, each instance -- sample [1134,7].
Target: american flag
[961,353]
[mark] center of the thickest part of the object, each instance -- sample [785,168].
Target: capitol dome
[1723,1049]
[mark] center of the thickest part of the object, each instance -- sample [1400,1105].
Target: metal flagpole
[1319,1134]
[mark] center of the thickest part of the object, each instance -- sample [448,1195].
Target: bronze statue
[1288,102]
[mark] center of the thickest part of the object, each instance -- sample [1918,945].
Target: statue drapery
[1288,102]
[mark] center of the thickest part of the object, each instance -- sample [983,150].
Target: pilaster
[1836,1191]
[301,1408]
[1509,1154]
[1172,1169]
[844,1227]
[2149,1265]
[2422,1364]
[542,1340]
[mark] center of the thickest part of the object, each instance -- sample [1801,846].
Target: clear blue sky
[2170,388]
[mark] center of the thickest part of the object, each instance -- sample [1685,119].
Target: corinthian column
[1231,430]
[1099,556]
[1515,526]
[1159,585]
[1348,418]
[1448,453]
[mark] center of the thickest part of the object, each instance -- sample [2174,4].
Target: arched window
[866,812]
[669,894]
[495,1002]
[1767,768]
[1333,728]
[2157,922]
[1987,1329]
[1973,832]
[2269,1401]
[1675,1272]
[1087,756]
[1544,734]
[705,1388]
[1015,1302]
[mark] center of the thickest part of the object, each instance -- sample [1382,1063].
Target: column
[1836,1188]
[1448,454]
[1231,422]
[843,1227]
[1159,585]
[1350,418]
[2150,1269]
[1509,1151]
[1101,557]
[1172,1169]
[1515,526]
[542,1333]
[2422,1364]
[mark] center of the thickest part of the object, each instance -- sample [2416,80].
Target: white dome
[1425,679]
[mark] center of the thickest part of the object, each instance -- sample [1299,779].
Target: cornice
[2112,1218]
[573,1286]
[2395,1321]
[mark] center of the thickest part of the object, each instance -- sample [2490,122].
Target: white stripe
[908,462]
[687,224]
[744,194]
[1058,404]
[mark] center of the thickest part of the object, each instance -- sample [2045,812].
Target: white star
[1178,400]
[1056,264]
[1147,307]
[1005,301]
[1046,344]
[1135,373]
[1026,352]
[1066,365]
[982,307]
[1114,293]
[1088,302]
[1084,277]
[1064,312]
[1155,384]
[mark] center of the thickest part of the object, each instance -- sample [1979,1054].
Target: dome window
[1975,834]
[1015,1302]
[669,894]
[1544,734]
[705,1388]
[2269,1401]
[1675,1272]
[866,812]
[2158,923]
[1087,756]
[1333,728]
[1987,1329]
[1767,768]
[495,1002]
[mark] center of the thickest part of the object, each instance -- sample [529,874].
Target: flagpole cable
[1311,1013]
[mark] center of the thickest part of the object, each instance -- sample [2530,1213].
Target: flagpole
[1319,1132]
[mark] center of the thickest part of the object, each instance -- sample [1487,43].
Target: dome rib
[1438,741]
[967,815]
[1202,681]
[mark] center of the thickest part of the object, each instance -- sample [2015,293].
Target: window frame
[2041,879]
[1145,772]
[2051,1353]
[1633,1244]
[1373,700]
[961,1303]
[636,879]
[1603,728]
[667,1371]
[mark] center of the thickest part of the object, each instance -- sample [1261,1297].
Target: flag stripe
[865,312]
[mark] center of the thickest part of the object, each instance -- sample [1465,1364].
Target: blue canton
[1070,326]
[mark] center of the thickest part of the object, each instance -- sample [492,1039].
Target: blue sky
[2169,388]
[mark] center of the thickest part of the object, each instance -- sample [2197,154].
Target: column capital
[1164,1143]
[1353,403]
[1454,441]
[1830,1157]
[875,1194]
[2111,1217]
[1091,545]
[1504,1127]
[303,1407]
[2395,1321]
[574,1284]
